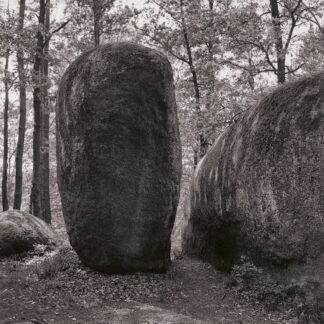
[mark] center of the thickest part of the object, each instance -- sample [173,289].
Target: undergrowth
[304,301]
[63,260]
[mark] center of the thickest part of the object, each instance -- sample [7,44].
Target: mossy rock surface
[119,157]
[20,232]
[259,191]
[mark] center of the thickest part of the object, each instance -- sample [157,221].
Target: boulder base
[20,232]
[259,191]
[119,157]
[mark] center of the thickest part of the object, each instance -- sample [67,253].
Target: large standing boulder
[119,157]
[259,191]
[20,232]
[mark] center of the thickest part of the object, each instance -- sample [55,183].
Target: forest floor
[56,288]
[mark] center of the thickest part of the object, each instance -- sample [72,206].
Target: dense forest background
[225,55]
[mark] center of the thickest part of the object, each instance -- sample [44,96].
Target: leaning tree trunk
[37,103]
[45,194]
[22,111]
[5,203]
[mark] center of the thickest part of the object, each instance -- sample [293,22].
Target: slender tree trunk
[22,112]
[210,49]
[37,103]
[5,203]
[10,180]
[251,80]
[97,9]
[281,55]
[45,194]
[203,145]
[96,32]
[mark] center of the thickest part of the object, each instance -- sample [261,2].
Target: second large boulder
[119,157]
[259,191]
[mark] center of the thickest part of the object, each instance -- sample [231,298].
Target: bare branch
[314,20]
[292,71]
[170,13]
[246,68]
[261,47]
[54,32]
[163,45]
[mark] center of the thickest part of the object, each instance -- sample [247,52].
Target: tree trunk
[210,49]
[281,55]
[45,195]
[251,79]
[5,203]
[96,33]
[97,9]
[203,145]
[22,112]
[37,103]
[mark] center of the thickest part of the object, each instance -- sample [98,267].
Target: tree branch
[314,20]
[261,47]
[171,14]
[293,23]
[266,52]
[163,45]
[54,32]
[292,71]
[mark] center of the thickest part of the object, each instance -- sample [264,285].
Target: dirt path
[191,292]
